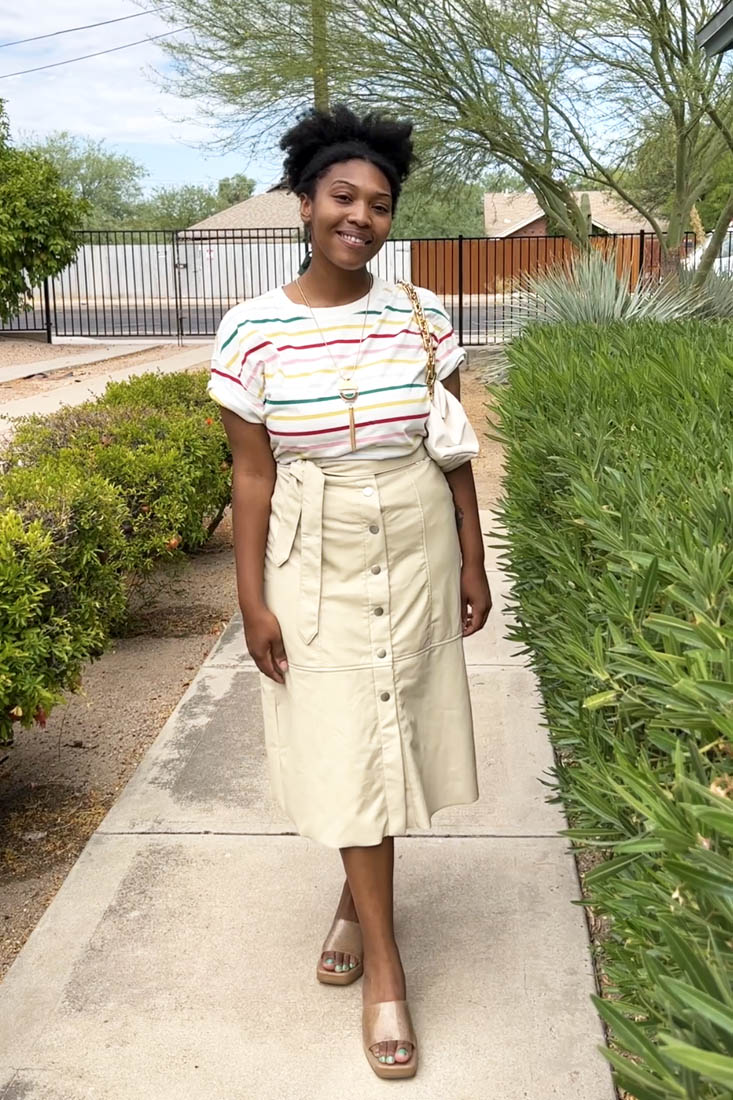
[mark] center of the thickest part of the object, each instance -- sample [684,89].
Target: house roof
[276,209]
[716,36]
[507,212]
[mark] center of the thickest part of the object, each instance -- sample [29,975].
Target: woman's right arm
[253,480]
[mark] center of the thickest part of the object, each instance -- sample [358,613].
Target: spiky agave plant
[717,297]
[588,290]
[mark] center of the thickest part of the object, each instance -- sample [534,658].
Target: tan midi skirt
[372,731]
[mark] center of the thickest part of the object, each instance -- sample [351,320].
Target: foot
[336,961]
[384,980]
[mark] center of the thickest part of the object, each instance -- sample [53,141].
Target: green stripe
[336,397]
[358,313]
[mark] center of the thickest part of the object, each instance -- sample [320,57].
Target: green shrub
[619,525]
[91,498]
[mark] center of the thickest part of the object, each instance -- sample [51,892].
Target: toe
[391,1047]
[338,956]
[353,962]
[328,960]
[403,1052]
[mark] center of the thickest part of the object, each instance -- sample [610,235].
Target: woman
[359,561]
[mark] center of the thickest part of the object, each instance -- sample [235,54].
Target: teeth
[356,240]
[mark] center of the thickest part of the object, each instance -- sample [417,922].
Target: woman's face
[351,213]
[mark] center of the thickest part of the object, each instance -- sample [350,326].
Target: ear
[306,209]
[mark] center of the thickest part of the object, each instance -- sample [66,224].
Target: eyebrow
[352,184]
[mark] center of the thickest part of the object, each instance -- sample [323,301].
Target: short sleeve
[448,352]
[237,379]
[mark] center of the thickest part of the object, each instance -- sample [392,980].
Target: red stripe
[364,424]
[252,350]
[349,340]
[231,377]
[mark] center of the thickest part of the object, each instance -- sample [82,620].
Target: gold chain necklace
[348,390]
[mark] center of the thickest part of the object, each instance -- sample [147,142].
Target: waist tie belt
[303,502]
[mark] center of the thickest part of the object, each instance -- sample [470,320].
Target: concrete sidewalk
[177,960]
[66,362]
[76,391]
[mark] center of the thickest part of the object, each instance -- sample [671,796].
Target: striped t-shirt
[270,367]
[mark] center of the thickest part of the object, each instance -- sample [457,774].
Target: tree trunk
[319,19]
[714,244]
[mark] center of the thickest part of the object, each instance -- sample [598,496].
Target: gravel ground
[46,383]
[35,351]
[57,783]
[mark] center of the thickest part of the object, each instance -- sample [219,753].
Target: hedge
[91,498]
[618,512]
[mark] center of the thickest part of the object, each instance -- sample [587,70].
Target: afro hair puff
[322,138]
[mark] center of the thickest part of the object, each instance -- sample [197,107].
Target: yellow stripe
[336,370]
[341,411]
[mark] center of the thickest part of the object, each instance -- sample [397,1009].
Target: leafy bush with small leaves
[91,498]
[618,512]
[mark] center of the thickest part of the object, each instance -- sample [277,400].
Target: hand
[475,598]
[265,644]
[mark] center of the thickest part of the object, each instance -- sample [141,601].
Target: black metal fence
[161,283]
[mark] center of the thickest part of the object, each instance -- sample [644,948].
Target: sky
[115,96]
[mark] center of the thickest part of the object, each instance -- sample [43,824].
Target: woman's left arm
[475,593]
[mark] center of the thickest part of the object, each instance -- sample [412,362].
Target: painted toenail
[329,961]
[352,965]
[390,1058]
[338,968]
[382,1058]
[402,1051]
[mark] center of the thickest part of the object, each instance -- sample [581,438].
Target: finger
[266,666]
[275,671]
[278,653]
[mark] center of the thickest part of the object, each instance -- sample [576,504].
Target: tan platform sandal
[344,936]
[385,1022]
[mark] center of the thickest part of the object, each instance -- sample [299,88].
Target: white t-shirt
[270,367]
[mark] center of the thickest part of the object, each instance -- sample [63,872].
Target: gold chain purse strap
[427,339]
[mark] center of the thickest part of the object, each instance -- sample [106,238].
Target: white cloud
[109,96]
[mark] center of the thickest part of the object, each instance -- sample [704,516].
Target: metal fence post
[460,289]
[47,311]
[177,289]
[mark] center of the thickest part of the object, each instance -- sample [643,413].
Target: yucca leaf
[717,1067]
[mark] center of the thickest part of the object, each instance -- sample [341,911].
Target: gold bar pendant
[352,428]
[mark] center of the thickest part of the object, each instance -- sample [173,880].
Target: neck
[328,285]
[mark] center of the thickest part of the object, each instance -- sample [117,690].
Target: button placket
[377,587]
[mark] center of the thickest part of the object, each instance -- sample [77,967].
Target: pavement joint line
[296,836]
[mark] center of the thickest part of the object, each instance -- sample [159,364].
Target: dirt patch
[488,467]
[57,783]
[36,351]
[47,383]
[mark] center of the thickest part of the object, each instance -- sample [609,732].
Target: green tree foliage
[109,182]
[433,207]
[233,189]
[554,93]
[174,207]
[37,218]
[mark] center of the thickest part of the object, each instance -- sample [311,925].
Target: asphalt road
[484,323]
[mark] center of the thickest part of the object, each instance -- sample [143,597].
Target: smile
[352,240]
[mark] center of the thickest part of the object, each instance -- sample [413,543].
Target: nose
[359,214]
